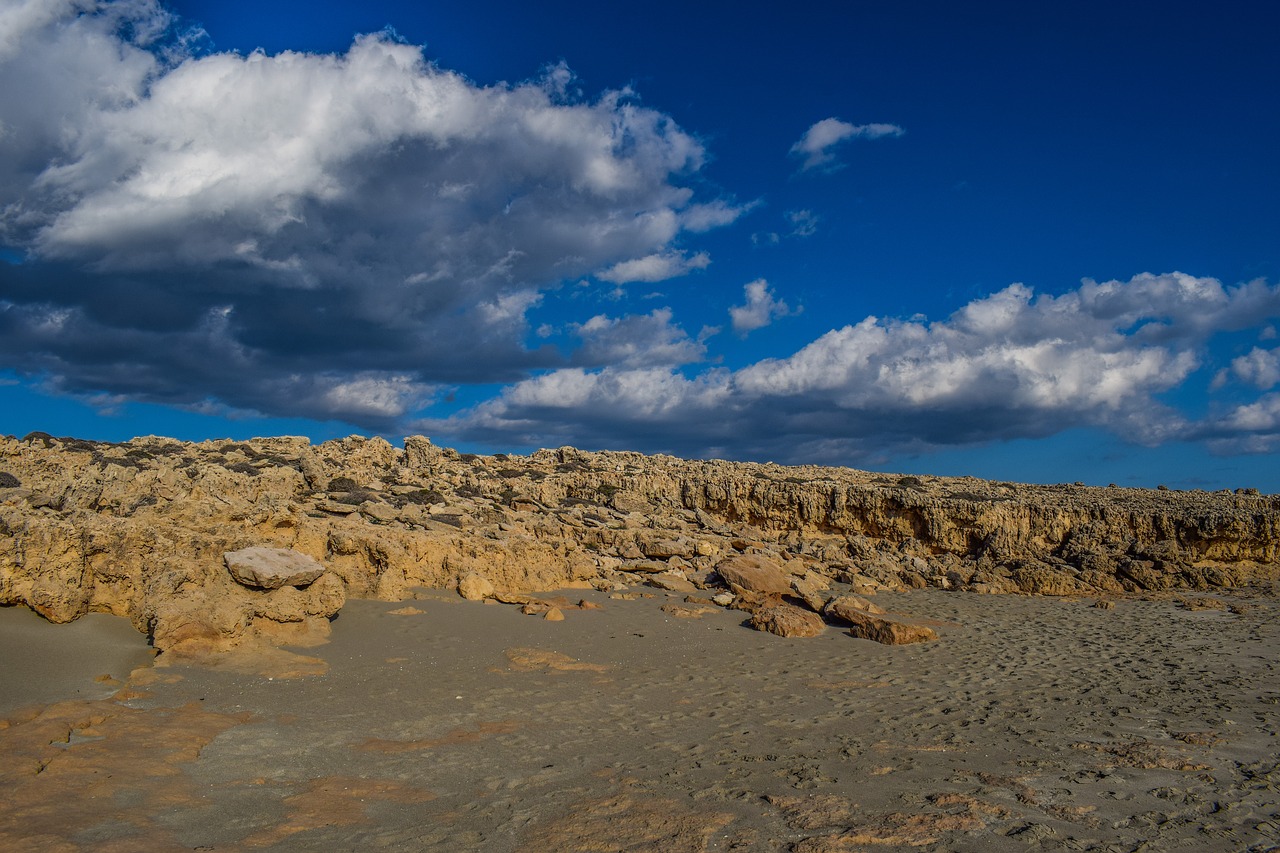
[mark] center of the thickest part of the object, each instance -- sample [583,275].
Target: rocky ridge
[140,529]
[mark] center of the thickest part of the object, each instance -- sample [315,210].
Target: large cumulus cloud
[1010,365]
[324,235]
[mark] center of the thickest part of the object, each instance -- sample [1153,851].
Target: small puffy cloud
[636,341]
[1009,365]
[1260,368]
[804,223]
[816,146]
[1249,428]
[761,308]
[698,218]
[656,267]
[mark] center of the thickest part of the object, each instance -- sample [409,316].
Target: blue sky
[1019,241]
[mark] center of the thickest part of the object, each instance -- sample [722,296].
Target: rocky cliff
[140,529]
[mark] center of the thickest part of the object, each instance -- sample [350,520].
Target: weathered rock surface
[754,573]
[139,529]
[842,606]
[787,620]
[474,587]
[271,568]
[885,630]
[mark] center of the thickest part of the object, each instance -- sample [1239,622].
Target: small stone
[724,599]
[378,511]
[554,614]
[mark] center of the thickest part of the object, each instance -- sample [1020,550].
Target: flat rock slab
[271,568]
[886,630]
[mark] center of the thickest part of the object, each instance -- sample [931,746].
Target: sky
[1034,242]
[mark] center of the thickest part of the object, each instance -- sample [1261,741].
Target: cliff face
[133,528]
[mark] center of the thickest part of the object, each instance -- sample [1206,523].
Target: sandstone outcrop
[139,529]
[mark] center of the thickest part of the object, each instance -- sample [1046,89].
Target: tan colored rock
[671,583]
[754,573]
[647,567]
[812,594]
[840,606]
[682,612]
[787,620]
[554,614]
[475,587]
[706,548]
[889,632]
[271,568]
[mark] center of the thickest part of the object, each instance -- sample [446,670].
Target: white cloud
[379,396]
[636,341]
[655,267]
[698,218]
[1008,365]
[816,145]
[1260,368]
[804,223]
[366,218]
[1249,428]
[761,308]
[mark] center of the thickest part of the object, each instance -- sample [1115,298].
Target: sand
[439,724]
[86,659]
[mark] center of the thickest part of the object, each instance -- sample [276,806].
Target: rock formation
[140,529]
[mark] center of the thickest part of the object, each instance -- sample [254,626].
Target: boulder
[755,573]
[889,632]
[474,587]
[842,605]
[787,620]
[271,568]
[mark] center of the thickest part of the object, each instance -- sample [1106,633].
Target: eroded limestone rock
[139,529]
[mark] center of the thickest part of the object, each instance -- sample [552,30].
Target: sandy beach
[655,724]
